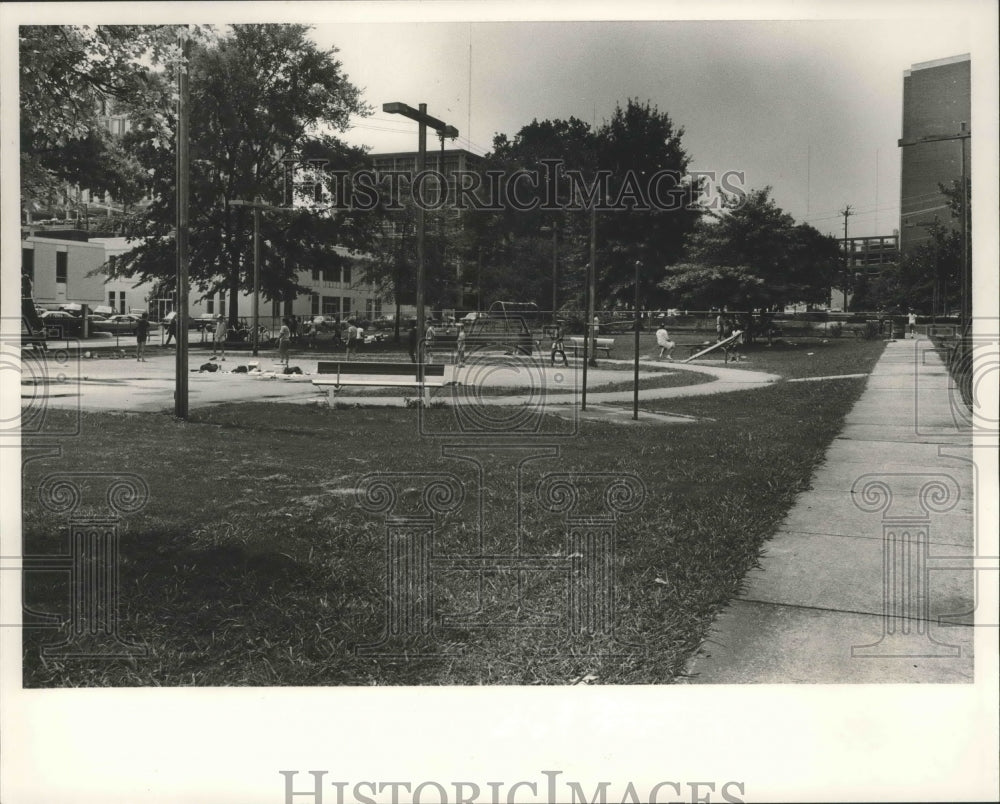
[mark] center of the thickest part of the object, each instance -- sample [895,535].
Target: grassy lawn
[252,563]
[812,357]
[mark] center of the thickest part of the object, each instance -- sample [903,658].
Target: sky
[811,107]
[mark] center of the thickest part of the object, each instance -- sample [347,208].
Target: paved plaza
[104,381]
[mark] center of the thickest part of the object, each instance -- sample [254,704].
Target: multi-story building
[65,267]
[448,162]
[867,254]
[937,109]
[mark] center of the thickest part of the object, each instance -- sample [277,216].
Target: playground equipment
[726,343]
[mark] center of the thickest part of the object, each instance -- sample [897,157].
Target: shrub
[835,330]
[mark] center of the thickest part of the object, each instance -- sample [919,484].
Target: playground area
[254,558]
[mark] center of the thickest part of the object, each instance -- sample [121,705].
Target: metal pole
[555,268]
[182,182]
[421,268]
[635,381]
[591,283]
[256,274]
[966,273]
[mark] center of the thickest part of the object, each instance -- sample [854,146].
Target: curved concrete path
[66,379]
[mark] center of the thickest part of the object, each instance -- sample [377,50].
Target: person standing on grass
[664,342]
[284,339]
[141,334]
[912,324]
[557,346]
[293,327]
[429,342]
[221,334]
[352,336]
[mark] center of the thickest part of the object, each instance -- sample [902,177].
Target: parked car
[122,324]
[60,324]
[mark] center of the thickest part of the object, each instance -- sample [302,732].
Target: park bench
[337,374]
[599,345]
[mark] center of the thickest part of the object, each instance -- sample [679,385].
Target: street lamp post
[183,232]
[257,205]
[555,269]
[635,381]
[424,120]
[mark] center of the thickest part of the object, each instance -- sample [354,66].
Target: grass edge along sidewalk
[251,564]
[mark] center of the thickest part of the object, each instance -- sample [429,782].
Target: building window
[314,303]
[315,274]
[346,305]
[116,300]
[222,304]
[61,267]
[209,306]
[331,306]
[28,262]
[330,274]
[347,274]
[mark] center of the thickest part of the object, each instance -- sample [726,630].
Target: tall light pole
[183,225]
[451,133]
[555,269]
[635,381]
[257,205]
[589,330]
[846,212]
[424,120]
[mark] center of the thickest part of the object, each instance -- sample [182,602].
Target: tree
[259,94]
[618,163]
[758,257]
[638,144]
[513,248]
[69,76]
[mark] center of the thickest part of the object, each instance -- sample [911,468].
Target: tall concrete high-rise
[937,110]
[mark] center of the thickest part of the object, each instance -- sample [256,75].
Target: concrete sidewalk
[868,579]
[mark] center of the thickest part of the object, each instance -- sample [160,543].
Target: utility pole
[257,205]
[846,212]
[424,120]
[555,269]
[183,231]
[635,381]
[966,269]
[589,330]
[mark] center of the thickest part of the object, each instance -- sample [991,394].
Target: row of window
[341,274]
[340,306]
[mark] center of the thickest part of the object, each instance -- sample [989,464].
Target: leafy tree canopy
[758,256]
[260,94]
